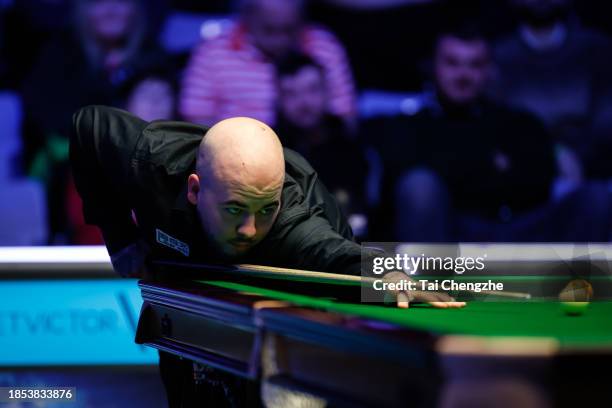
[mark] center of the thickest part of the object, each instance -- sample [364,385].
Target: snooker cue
[272,271]
[276,272]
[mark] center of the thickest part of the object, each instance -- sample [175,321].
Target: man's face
[461,68]
[274,26]
[110,20]
[236,216]
[302,97]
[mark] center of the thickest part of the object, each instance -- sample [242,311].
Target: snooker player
[228,194]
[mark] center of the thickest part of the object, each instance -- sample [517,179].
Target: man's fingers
[436,299]
[403,300]
[442,297]
[430,297]
[446,305]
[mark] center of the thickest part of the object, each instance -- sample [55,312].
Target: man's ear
[193,188]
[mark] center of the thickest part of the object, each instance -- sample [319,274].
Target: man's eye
[233,210]
[267,211]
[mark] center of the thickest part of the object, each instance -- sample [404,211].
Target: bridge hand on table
[403,298]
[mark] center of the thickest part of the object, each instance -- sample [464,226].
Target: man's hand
[403,298]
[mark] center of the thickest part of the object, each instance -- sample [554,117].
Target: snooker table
[313,340]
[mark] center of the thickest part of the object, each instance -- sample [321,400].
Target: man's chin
[237,249]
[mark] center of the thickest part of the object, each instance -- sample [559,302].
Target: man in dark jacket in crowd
[231,193]
[466,168]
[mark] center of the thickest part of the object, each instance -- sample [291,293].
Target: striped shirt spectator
[228,76]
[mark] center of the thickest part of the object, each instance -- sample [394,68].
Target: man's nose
[247,228]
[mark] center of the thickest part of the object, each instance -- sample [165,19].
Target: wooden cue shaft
[273,270]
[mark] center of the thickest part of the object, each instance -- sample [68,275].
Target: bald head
[241,151]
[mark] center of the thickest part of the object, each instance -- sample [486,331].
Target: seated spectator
[306,126]
[560,71]
[88,66]
[233,75]
[152,99]
[152,96]
[467,169]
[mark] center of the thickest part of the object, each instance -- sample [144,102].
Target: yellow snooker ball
[574,308]
[577,290]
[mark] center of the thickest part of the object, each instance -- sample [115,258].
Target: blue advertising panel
[71,322]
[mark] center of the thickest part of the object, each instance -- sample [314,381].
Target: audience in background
[234,74]
[152,99]
[87,66]
[462,168]
[305,125]
[373,35]
[465,168]
[559,70]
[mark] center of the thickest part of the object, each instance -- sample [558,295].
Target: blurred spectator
[465,168]
[152,99]
[560,70]
[28,26]
[373,31]
[306,126]
[233,75]
[152,95]
[88,66]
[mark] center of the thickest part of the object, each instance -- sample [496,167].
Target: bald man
[231,193]
[162,190]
